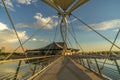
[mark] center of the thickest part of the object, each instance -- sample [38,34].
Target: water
[9,69]
[109,70]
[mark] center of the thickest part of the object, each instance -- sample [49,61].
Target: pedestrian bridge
[65,68]
[57,67]
[49,68]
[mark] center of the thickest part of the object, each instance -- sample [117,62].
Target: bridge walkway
[65,68]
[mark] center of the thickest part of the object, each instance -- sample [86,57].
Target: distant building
[55,48]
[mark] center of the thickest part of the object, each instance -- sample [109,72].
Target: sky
[29,15]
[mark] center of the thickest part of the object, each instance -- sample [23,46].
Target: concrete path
[66,69]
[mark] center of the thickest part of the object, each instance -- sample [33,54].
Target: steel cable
[109,53]
[32,36]
[95,31]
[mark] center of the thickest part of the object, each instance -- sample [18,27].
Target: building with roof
[55,48]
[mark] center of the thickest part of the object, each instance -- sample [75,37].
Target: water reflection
[109,69]
[26,69]
[9,70]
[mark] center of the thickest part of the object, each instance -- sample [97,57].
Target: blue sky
[29,15]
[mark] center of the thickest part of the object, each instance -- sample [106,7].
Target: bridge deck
[66,69]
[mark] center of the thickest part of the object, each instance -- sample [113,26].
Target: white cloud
[39,40]
[27,2]
[9,3]
[34,1]
[34,39]
[111,24]
[3,26]
[43,40]
[24,1]
[40,22]
[22,25]
[8,36]
[72,20]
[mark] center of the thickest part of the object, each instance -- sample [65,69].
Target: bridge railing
[22,69]
[111,68]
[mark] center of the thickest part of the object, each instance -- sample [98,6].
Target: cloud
[40,22]
[72,20]
[43,40]
[34,39]
[8,36]
[9,3]
[39,40]
[27,2]
[111,24]
[3,26]
[23,25]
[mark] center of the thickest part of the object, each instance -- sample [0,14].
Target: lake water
[109,70]
[8,69]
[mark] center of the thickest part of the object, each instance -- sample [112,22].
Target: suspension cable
[64,35]
[32,36]
[12,23]
[76,41]
[69,41]
[95,31]
[72,26]
[21,44]
[56,29]
[54,37]
[74,36]
[109,53]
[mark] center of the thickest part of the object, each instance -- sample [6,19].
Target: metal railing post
[79,60]
[17,70]
[88,64]
[76,59]
[98,67]
[34,69]
[117,66]
[83,62]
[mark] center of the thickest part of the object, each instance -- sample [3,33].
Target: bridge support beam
[34,69]
[88,64]
[117,66]
[17,70]
[98,67]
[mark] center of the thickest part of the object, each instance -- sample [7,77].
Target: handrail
[32,77]
[14,60]
[25,70]
[94,64]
